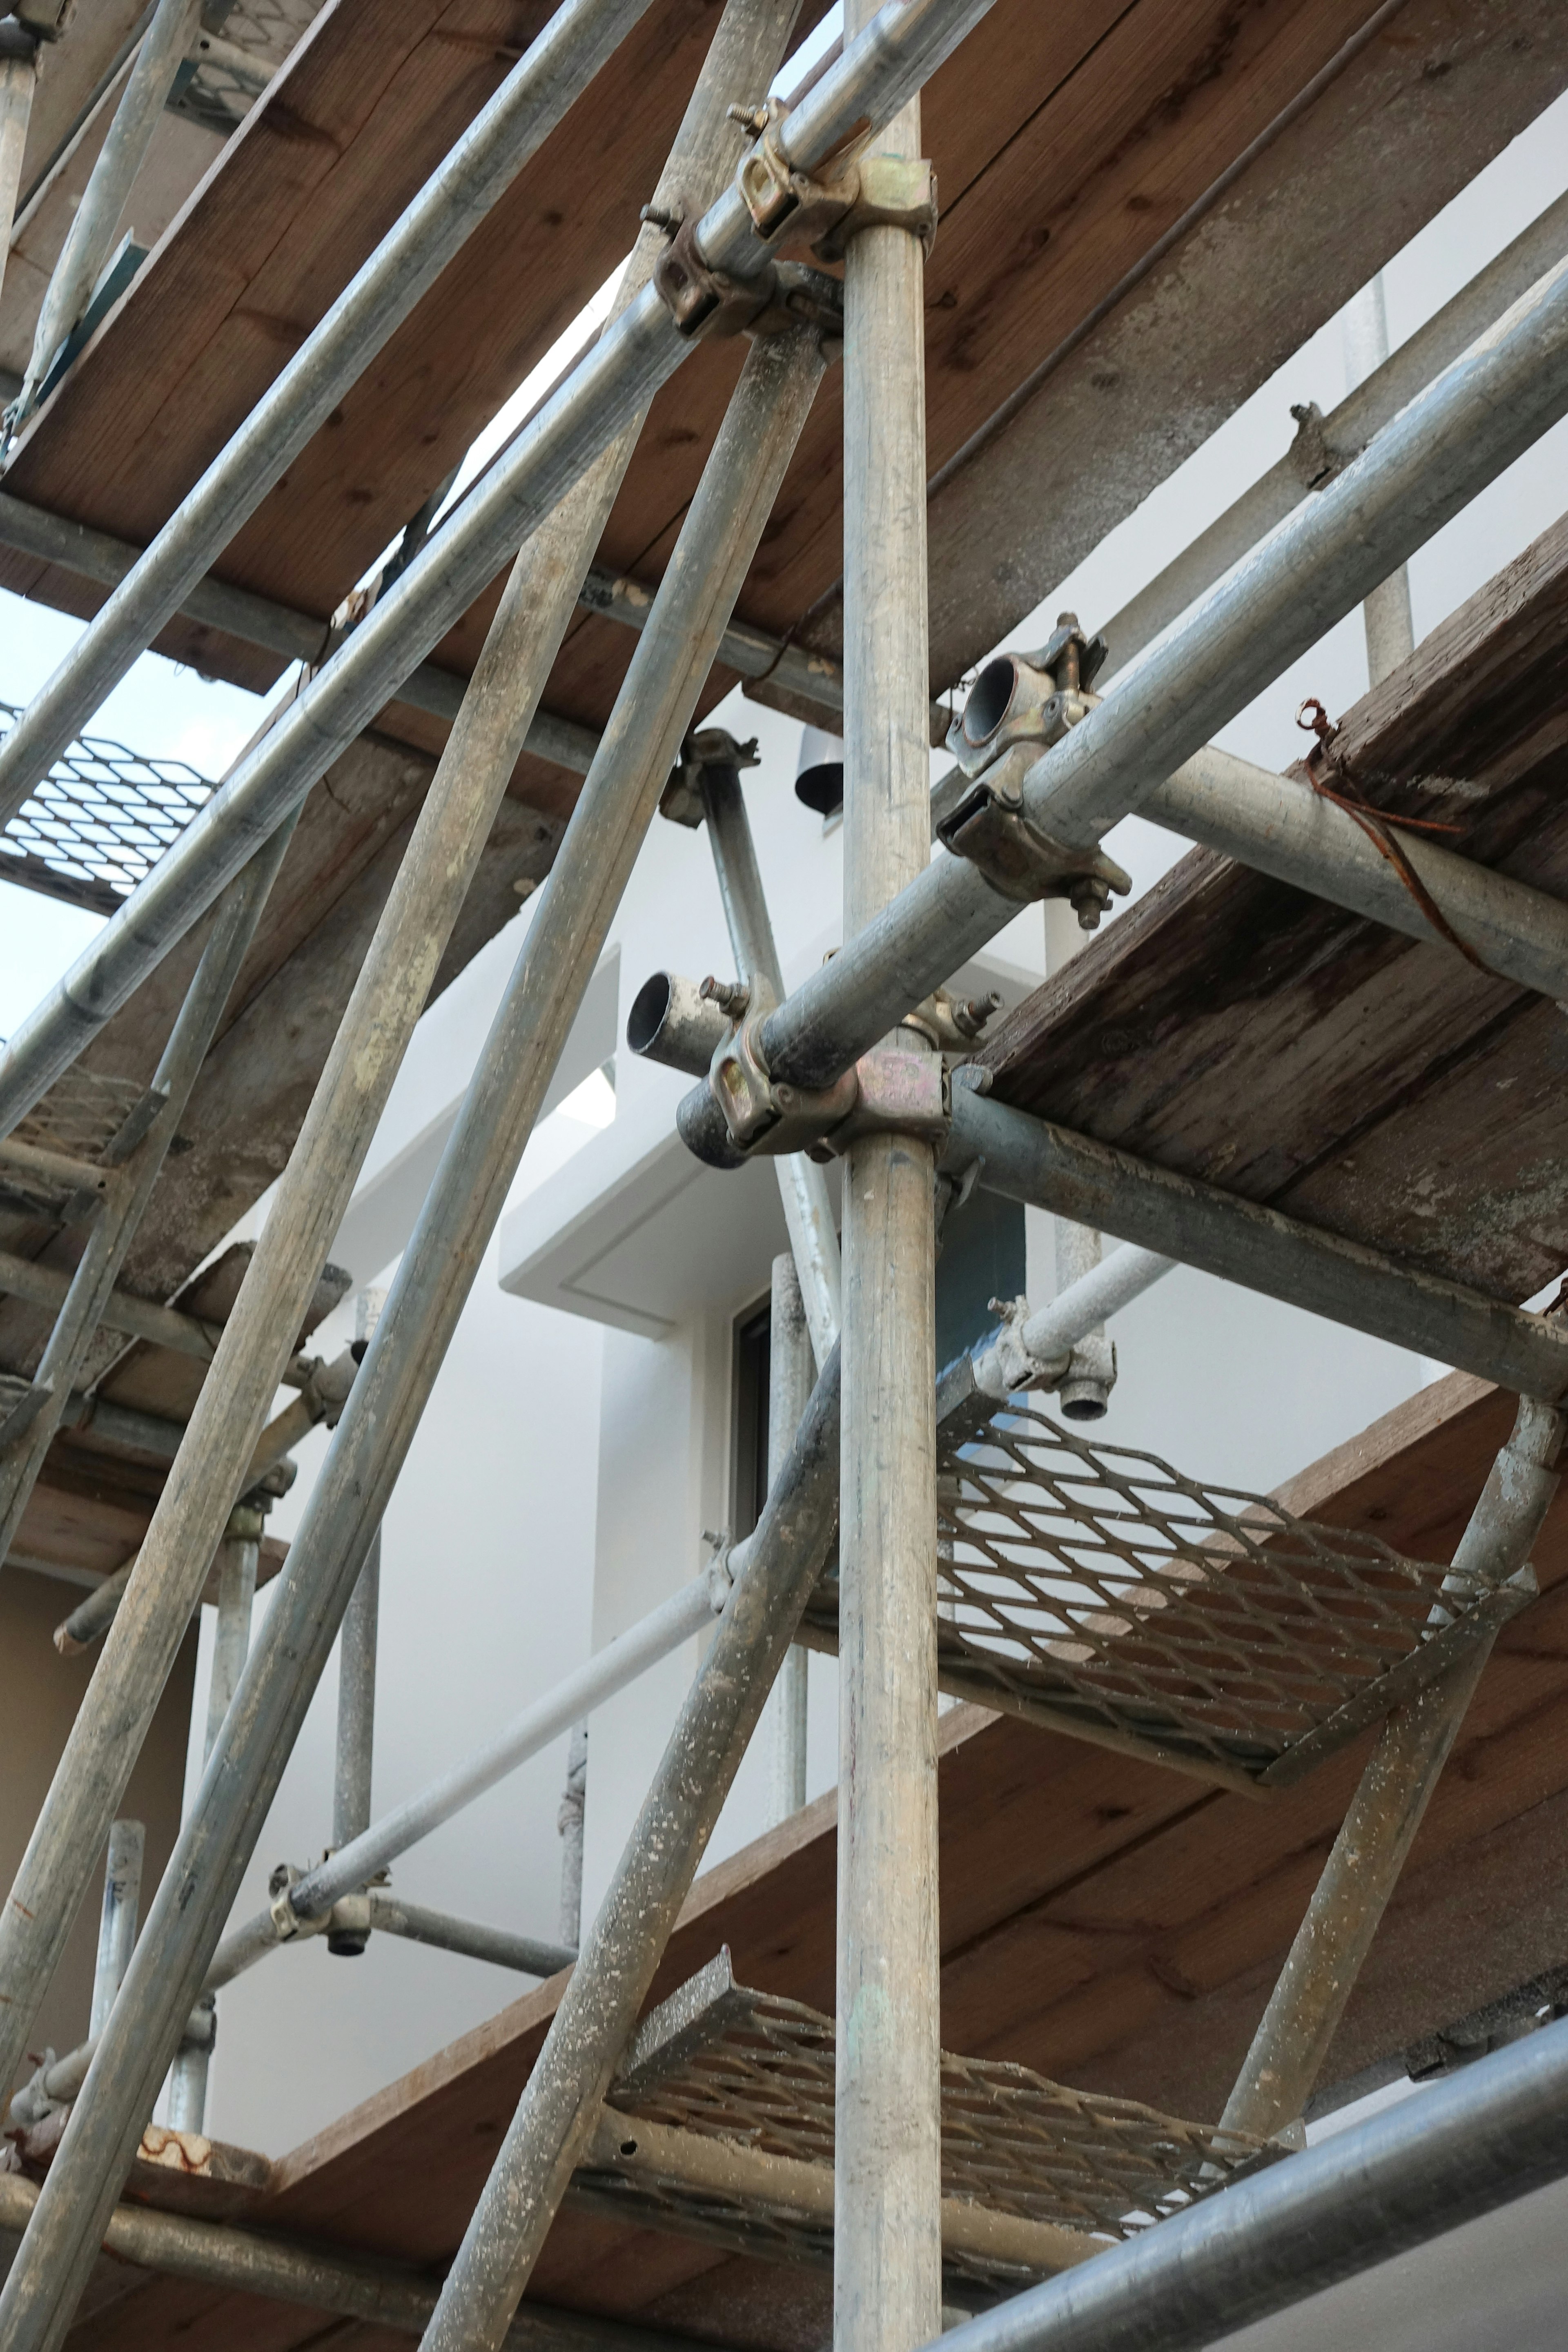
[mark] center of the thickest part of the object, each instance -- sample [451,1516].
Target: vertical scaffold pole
[803,1187]
[238,1561]
[887,2211]
[313,1192]
[1386,615]
[566,939]
[1294,2039]
[117,1923]
[357,1702]
[790,1377]
[571,1822]
[355,1756]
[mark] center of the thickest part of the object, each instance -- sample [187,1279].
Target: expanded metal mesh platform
[1100,1592]
[82,1113]
[267,31]
[99,821]
[729,2063]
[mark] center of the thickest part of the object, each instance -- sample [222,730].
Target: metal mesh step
[99,821]
[1100,1591]
[726,2062]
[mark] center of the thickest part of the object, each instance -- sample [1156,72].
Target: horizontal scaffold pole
[809,677]
[614,382]
[321,2278]
[1026,1158]
[1283,828]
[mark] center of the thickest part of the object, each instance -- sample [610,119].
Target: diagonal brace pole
[803,1187]
[565,941]
[389,995]
[131,1188]
[556,2119]
[1303,2013]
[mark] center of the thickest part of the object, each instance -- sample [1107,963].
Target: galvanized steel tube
[1283,828]
[320,2278]
[18,80]
[1427,463]
[789,1382]
[159,56]
[564,940]
[117,1922]
[556,69]
[560,2107]
[1421,468]
[674,1622]
[803,1187]
[130,1186]
[389,994]
[1029,1160]
[1082,1308]
[1462,2148]
[611,385]
[390,1916]
[357,1702]
[1298,2027]
[887,2228]
[1344,432]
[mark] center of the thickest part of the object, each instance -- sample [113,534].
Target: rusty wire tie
[1376,827]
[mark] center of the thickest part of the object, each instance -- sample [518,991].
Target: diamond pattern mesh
[99,821]
[1105,1592]
[268,30]
[81,1114]
[1012,2141]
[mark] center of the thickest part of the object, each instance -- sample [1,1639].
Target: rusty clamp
[861,192]
[894,192]
[992,828]
[711,302]
[892,1089]
[681,800]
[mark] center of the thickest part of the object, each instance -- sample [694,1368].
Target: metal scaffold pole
[239,1560]
[1297,2028]
[556,2119]
[564,943]
[886,2272]
[803,1187]
[314,1192]
[159,58]
[601,399]
[1425,464]
[134,1173]
[789,1387]
[1385,615]
[557,68]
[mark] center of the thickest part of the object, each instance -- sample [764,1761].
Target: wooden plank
[1062,154]
[1242,1032]
[371,101]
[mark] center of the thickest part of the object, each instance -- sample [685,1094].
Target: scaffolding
[933,1526]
